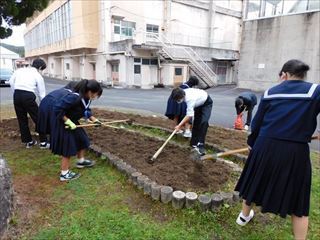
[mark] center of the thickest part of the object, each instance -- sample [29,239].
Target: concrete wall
[268,43]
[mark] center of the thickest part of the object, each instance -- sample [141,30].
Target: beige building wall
[84,27]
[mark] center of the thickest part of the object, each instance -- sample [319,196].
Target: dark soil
[226,138]
[173,167]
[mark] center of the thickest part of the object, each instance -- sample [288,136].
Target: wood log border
[166,194]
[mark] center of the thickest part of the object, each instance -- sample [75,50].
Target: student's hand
[97,122]
[70,124]
[177,128]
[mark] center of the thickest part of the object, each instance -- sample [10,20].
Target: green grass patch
[102,205]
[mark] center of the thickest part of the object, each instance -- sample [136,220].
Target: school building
[148,43]
[275,31]
[138,43]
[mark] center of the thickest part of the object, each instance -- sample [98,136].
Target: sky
[17,36]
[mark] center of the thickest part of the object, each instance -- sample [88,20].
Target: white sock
[43,143]
[81,160]
[64,172]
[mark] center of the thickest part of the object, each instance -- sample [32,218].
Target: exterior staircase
[169,51]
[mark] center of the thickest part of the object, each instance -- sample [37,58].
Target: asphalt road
[154,101]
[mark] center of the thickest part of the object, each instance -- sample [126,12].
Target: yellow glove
[70,124]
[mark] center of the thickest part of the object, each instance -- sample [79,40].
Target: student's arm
[249,115]
[189,115]
[13,80]
[257,122]
[40,86]
[185,120]
[64,104]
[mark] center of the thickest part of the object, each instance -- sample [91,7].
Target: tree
[16,12]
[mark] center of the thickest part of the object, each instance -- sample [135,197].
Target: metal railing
[182,53]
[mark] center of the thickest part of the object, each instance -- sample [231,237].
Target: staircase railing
[182,53]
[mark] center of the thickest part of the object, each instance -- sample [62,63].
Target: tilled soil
[173,167]
[225,138]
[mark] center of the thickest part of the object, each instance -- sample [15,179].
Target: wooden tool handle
[241,150]
[163,145]
[104,124]
[116,121]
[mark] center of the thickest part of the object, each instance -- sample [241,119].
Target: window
[154,61]
[137,69]
[269,8]
[253,9]
[116,29]
[54,28]
[137,60]
[152,28]
[115,68]
[295,6]
[145,61]
[178,71]
[68,66]
[127,28]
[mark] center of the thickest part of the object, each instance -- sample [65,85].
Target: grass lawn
[102,205]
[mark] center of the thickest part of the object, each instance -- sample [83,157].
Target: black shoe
[199,151]
[85,163]
[69,176]
[44,145]
[201,148]
[31,144]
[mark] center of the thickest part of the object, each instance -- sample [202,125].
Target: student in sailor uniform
[25,82]
[199,107]
[246,102]
[177,111]
[277,173]
[73,141]
[46,109]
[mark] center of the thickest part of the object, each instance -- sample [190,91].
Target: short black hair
[193,81]
[177,94]
[296,68]
[239,102]
[39,64]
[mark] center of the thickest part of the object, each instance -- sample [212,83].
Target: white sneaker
[179,132]
[187,133]
[243,220]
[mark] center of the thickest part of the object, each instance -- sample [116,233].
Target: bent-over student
[199,107]
[67,139]
[246,102]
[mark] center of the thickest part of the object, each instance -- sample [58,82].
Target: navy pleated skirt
[277,177]
[65,142]
[44,115]
[175,109]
